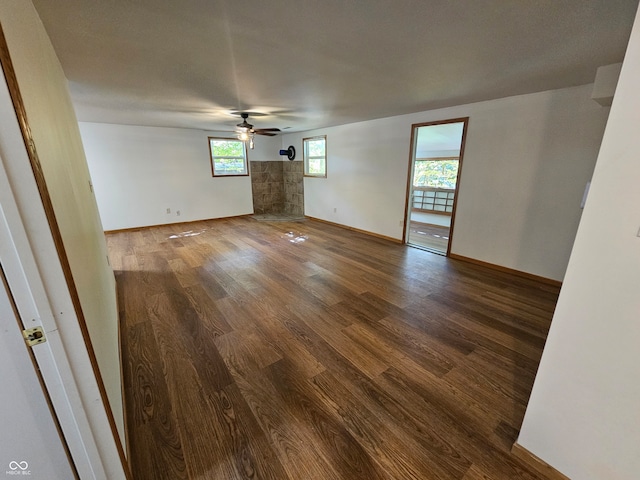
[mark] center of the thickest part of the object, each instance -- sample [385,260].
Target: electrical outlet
[168,210]
[178,213]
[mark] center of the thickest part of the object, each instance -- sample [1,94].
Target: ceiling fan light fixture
[245,131]
[244,135]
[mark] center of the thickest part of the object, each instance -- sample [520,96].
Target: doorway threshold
[427,249]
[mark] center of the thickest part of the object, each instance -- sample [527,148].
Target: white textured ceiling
[442,140]
[310,64]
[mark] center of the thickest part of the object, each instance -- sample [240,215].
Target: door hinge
[34,336]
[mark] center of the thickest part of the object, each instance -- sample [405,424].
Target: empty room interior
[320,240]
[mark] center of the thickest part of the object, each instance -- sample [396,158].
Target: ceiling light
[245,135]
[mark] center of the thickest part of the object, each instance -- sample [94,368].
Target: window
[434,184]
[228,157]
[315,156]
[436,172]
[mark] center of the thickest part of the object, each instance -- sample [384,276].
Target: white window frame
[306,157]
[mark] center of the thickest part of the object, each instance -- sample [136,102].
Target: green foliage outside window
[436,173]
[315,156]
[227,148]
[228,157]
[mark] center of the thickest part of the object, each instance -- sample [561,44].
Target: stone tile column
[267,187]
[293,188]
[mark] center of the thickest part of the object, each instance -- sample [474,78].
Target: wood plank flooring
[291,351]
[430,236]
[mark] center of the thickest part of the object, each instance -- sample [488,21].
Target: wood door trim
[25,129]
[407,197]
[414,127]
[463,140]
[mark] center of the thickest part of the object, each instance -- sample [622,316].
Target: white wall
[583,416]
[439,140]
[139,172]
[55,134]
[431,218]
[526,163]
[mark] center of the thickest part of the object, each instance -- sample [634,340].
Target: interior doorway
[437,149]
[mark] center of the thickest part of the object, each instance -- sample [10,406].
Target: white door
[30,446]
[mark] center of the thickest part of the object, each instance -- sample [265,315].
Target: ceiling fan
[245,131]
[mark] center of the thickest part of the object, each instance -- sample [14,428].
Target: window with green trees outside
[315,156]
[436,173]
[228,157]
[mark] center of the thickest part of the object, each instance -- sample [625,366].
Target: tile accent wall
[267,187]
[277,187]
[293,188]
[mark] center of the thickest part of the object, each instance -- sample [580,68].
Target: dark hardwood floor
[257,350]
[431,237]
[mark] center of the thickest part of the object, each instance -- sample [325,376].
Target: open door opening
[432,188]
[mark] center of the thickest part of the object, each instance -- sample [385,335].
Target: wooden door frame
[414,129]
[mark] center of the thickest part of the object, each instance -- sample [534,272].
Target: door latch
[34,336]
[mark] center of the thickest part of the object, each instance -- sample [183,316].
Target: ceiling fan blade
[265,131]
[246,127]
